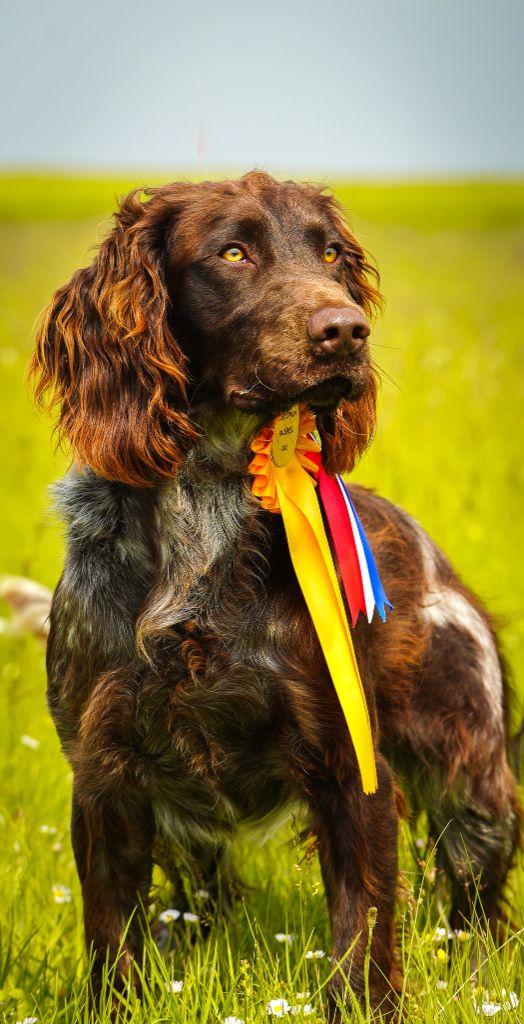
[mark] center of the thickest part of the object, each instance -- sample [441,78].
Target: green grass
[449,449]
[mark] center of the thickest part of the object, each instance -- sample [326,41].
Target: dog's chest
[221,710]
[219,554]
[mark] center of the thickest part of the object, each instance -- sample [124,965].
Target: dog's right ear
[106,356]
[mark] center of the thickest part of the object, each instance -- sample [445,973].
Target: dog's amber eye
[234,254]
[330,254]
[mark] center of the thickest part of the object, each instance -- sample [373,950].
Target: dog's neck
[224,446]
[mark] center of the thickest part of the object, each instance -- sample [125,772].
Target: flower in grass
[282,937]
[204,894]
[305,1008]
[441,955]
[189,916]
[420,844]
[302,996]
[169,915]
[233,1020]
[441,983]
[48,830]
[489,1009]
[61,893]
[450,933]
[174,986]
[57,847]
[315,954]
[277,1007]
[29,741]
[28,1020]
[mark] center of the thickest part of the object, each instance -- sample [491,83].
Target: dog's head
[248,294]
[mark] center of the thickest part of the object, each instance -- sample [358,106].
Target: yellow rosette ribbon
[284,459]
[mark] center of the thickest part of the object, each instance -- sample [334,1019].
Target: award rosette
[287,474]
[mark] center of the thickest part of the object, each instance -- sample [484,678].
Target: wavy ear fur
[105,354]
[347,433]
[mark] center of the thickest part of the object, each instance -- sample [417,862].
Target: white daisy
[277,1007]
[189,916]
[169,915]
[203,894]
[48,830]
[315,954]
[61,893]
[306,1008]
[441,983]
[28,1020]
[282,937]
[489,1009]
[174,986]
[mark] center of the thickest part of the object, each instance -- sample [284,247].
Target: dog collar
[287,476]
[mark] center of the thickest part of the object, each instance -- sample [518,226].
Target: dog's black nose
[337,331]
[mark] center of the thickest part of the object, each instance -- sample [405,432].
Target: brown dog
[185,678]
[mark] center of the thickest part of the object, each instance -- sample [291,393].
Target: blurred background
[411,111]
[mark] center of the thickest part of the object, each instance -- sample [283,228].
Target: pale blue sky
[382,87]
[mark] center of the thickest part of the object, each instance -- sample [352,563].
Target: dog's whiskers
[260,381]
[385,376]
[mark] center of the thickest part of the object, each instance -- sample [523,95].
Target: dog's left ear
[347,433]
[105,353]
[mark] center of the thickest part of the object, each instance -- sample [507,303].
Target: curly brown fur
[185,678]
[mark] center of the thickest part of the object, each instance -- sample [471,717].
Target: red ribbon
[343,542]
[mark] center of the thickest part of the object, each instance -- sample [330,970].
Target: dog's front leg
[112,842]
[357,844]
